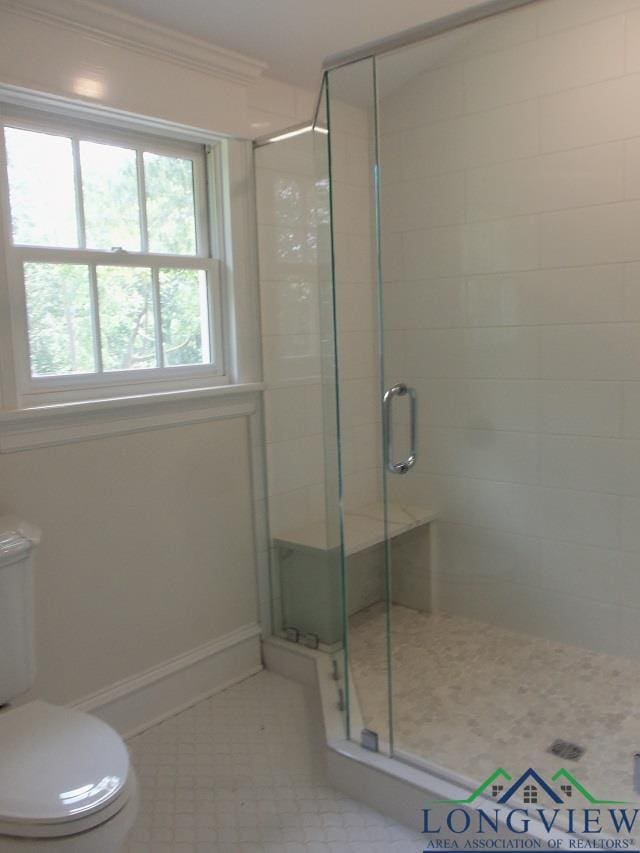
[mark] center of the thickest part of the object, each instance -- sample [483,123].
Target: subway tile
[632,47]
[502,353]
[590,235]
[486,557]
[285,198]
[432,354]
[554,15]
[352,209]
[505,404]
[565,179]
[593,464]
[444,451]
[579,570]
[423,203]
[500,455]
[289,308]
[576,57]
[435,252]
[506,133]
[425,304]
[357,354]
[580,407]
[574,295]
[501,245]
[631,409]
[359,401]
[295,463]
[287,253]
[590,351]
[361,488]
[390,163]
[345,117]
[293,412]
[625,582]
[441,402]
[586,518]
[630,524]
[580,462]
[628,632]
[500,506]
[578,621]
[431,95]
[632,168]
[356,306]
[291,156]
[486,36]
[631,288]
[290,358]
[590,115]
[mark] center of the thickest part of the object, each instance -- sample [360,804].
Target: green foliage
[59,302]
[59,318]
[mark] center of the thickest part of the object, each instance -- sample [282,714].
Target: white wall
[147,549]
[510,216]
[150,540]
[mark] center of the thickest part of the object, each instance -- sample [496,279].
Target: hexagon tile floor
[243,771]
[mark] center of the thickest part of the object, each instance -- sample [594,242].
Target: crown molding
[115,28]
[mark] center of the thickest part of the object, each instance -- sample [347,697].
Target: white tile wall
[511,177]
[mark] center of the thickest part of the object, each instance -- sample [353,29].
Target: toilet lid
[57,765]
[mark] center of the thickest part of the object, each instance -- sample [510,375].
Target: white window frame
[50,390]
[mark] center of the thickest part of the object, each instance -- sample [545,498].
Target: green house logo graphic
[530,786]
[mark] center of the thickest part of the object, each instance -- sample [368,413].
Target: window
[113,285]
[530,794]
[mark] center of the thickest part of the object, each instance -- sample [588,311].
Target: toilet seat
[61,771]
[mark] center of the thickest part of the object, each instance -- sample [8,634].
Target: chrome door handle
[400,390]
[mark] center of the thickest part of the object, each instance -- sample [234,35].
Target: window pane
[170,204]
[41,188]
[59,319]
[185,316]
[127,328]
[110,188]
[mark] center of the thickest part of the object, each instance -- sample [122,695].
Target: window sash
[78,132]
[77,387]
[212,372]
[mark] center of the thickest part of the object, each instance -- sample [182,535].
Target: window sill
[43,426]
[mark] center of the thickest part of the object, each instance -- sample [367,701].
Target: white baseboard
[142,700]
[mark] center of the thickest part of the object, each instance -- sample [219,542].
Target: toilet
[66,783]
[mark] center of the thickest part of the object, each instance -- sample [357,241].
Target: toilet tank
[17,664]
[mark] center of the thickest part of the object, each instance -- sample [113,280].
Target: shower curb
[394,788]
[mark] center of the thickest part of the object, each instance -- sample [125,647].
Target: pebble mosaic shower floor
[472,697]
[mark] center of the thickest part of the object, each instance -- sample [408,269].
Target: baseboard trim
[142,700]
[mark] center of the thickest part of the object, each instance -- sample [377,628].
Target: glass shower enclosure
[482,378]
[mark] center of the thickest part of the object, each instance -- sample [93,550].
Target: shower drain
[566,749]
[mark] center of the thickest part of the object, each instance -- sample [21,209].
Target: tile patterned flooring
[472,697]
[243,771]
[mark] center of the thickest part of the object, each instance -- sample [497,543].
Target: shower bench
[309,563]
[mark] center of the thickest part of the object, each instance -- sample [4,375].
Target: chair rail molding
[119,29]
[46,426]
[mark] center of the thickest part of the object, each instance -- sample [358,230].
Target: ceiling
[292,36]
